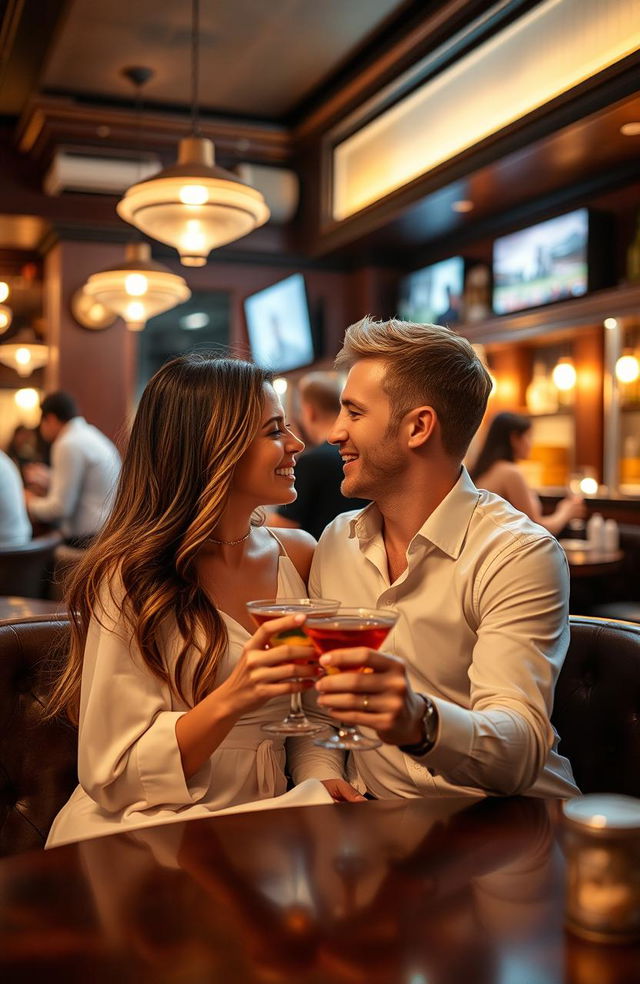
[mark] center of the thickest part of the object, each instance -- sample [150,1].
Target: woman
[508,440]
[168,680]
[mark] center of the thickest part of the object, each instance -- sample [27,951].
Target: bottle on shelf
[541,395]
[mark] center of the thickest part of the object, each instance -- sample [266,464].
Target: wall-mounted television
[433,294]
[546,262]
[279,325]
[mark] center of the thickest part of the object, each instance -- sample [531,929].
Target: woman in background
[167,678]
[508,440]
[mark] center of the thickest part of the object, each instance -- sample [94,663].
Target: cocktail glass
[345,629]
[262,610]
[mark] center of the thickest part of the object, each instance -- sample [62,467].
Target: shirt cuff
[160,766]
[454,739]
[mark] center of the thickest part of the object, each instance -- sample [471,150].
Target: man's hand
[37,477]
[342,791]
[371,688]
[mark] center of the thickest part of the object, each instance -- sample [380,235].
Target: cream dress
[129,763]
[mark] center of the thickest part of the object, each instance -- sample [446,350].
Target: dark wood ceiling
[275,78]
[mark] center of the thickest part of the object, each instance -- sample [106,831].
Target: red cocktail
[349,628]
[266,609]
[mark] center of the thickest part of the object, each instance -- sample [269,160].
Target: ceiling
[257,59]
[274,78]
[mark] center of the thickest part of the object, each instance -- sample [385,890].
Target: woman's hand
[265,671]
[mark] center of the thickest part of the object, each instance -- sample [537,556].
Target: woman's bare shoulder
[300,547]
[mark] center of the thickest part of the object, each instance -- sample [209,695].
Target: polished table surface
[411,892]
[584,561]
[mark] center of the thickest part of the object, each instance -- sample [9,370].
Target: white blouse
[129,763]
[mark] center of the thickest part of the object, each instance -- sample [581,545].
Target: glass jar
[602,847]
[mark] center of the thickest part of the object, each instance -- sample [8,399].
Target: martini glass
[345,629]
[262,610]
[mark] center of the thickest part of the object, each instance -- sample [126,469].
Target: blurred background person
[319,469]
[85,465]
[509,439]
[15,528]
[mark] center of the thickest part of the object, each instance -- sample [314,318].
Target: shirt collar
[446,527]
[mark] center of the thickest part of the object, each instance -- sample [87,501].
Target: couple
[168,680]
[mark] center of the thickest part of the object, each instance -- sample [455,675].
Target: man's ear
[422,423]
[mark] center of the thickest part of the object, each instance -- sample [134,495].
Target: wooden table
[393,892]
[586,562]
[12,607]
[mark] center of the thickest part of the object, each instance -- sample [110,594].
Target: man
[319,469]
[481,592]
[15,529]
[85,466]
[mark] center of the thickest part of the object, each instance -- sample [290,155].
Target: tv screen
[279,326]
[433,295]
[544,263]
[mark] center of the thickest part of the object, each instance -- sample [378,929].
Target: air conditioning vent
[73,171]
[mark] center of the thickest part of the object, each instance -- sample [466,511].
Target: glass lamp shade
[137,289]
[194,206]
[24,356]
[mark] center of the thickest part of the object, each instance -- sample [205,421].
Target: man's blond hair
[427,365]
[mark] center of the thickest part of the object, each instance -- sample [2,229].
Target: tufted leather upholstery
[597,705]
[37,758]
[26,570]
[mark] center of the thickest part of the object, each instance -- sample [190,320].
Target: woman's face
[521,444]
[264,473]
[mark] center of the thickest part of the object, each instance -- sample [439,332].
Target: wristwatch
[429,725]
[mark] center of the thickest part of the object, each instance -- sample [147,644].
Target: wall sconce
[564,375]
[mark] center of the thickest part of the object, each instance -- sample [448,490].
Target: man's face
[374,459]
[49,426]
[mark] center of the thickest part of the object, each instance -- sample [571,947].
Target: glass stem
[296,705]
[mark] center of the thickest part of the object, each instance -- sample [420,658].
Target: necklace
[231,543]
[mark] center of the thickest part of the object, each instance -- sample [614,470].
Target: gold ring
[365,702]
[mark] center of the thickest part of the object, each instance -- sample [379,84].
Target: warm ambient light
[137,289]
[280,385]
[630,129]
[610,324]
[589,486]
[627,369]
[464,205]
[24,356]
[6,316]
[4,290]
[26,399]
[564,375]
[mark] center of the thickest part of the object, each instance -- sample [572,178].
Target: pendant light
[137,289]
[194,206]
[6,317]
[24,354]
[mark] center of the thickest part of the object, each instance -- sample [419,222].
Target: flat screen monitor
[279,325]
[433,295]
[544,263]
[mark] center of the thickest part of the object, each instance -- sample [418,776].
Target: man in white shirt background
[85,466]
[463,705]
[15,528]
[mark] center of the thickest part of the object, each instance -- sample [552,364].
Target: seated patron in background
[15,528]
[509,440]
[78,488]
[166,674]
[463,705]
[319,469]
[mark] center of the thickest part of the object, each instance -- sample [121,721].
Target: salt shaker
[611,536]
[602,847]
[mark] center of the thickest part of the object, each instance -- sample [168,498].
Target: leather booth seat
[26,571]
[597,714]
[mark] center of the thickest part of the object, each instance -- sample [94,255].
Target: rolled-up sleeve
[501,742]
[128,757]
[67,469]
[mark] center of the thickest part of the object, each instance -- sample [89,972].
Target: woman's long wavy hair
[197,417]
[497,444]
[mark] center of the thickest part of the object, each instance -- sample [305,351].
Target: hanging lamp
[194,206]
[23,354]
[6,317]
[137,289]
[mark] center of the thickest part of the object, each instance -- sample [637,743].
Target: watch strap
[429,730]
